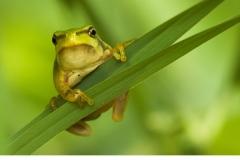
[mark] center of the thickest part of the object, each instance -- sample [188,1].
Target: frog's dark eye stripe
[80,32]
[92,32]
[54,40]
[56,37]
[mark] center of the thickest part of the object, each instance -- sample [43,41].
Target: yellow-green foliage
[189,107]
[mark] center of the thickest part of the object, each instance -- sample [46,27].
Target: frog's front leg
[63,87]
[72,95]
[118,51]
[76,95]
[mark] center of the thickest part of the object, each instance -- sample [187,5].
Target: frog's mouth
[77,56]
[77,49]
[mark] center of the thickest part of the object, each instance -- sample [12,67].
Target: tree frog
[79,51]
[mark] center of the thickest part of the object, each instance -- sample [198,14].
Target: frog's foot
[78,96]
[52,103]
[80,128]
[118,51]
[119,106]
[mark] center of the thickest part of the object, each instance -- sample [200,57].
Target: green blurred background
[189,107]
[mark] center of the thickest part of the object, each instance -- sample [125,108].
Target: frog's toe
[123,58]
[80,128]
[52,103]
[90,101]
[83,97]
[119,106]
[116,55]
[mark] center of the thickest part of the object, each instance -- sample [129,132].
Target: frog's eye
[92,32]
[54,40]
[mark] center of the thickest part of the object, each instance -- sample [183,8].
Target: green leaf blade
[152,42]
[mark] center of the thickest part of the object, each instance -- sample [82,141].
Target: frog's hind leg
[80,128]
[119,106]
[98,112]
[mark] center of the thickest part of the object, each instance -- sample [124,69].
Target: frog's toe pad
[117,118]
[80,129]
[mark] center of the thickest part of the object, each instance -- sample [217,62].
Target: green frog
[79,51]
